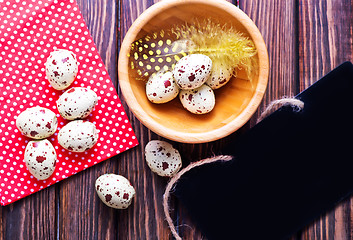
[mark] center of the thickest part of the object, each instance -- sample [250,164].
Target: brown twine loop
[296,104]
[175,179]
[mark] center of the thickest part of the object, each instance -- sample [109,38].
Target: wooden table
[305,40]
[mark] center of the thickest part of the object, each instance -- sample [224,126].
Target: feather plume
[224,45]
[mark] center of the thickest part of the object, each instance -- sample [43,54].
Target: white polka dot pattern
[29,31]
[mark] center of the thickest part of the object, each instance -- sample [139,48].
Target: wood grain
[325,41]
[325,38]
[31,218]
[276,21]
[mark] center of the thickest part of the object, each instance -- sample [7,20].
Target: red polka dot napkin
[29,31]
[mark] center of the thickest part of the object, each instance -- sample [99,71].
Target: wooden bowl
[236,102]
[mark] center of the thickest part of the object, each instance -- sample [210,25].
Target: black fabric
[286,171]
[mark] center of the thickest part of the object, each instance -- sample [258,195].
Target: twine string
[296,104]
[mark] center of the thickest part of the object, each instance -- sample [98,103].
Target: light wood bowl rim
[207,136]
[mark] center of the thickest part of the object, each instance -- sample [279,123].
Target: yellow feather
[221,43]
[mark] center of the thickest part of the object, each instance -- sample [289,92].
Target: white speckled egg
[199,101]
[115,191]
[220,76]
[192,71]
[162,158]
[161,87]
[61,68]
[37,122]
[40,158]
[77,103]
[78,136]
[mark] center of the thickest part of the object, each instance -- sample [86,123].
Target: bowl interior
[231,100]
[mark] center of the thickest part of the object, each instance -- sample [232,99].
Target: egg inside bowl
[235,102]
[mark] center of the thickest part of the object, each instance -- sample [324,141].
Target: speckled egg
[192,71]
[77,103]
[162,158]
[161,87]
[199,101]
[40,158]
[78,136]
[37,122]
[220,76]
[115,191]
[61,68]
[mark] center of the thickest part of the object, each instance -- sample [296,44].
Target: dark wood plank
[276,21]
[325,38]
[81,214]
[31,218]
[325,41]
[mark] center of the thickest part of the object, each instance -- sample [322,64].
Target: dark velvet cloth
[287,170]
